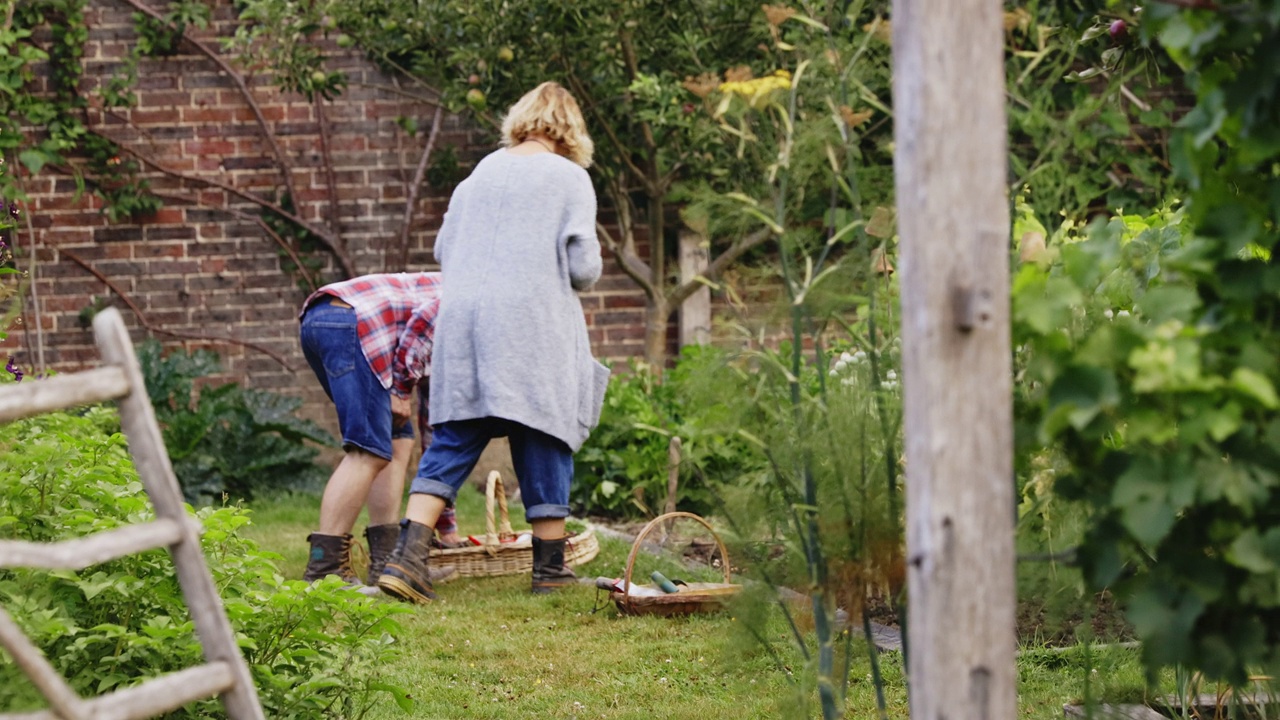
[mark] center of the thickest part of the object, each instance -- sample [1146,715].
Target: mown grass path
[489,649]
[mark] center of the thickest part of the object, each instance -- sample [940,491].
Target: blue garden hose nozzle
[662,582]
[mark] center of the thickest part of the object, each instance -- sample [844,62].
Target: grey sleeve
[447,226]
[581,244]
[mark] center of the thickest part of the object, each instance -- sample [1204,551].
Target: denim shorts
[332,348]
[543,464]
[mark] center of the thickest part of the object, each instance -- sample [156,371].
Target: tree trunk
[954,259]
[656,315]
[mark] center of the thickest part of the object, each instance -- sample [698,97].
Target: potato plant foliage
[315,651]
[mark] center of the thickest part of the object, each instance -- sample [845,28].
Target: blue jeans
[332,348]
[543,464]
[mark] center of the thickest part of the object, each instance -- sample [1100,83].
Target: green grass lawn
[489,649]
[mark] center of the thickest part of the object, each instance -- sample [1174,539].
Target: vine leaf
[1255,385]
[33,159]
[1078,395]
[1256,552]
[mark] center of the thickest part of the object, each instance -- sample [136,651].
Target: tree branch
[633,67]
[632,266]
[171,333]
[721,263]
[624,153]
[433,101]
[629,55]
[286,169]
[624,252]
[322,233]
[330,178]
[419,176]
[1192,4]
[617,192]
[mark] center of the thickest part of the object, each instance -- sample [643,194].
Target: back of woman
[516,244]
[511,356]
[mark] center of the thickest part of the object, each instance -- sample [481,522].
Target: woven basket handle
[635,549]
[493,490]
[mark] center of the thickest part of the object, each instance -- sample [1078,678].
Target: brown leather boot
[382,542]
[330,555]
[406,576]
[549,571]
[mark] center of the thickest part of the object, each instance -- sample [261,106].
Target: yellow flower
[757,90]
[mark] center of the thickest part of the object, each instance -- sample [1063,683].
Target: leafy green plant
[53,33]
[10,279]
[1089,112]
[225,439]
[824,418]
[1164,414]
[622,470]
[315,651]
[1169,416]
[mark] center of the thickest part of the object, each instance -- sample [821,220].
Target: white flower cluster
[845,360]
[1108,314]
[848,359]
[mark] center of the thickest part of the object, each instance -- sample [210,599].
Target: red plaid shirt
[395,319]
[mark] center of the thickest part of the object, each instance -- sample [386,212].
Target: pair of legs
[363,478]
[377,449]
[543,465]
[544,469]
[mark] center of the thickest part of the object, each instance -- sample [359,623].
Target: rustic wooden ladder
[224,672]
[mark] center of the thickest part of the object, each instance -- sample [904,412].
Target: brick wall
[203,273]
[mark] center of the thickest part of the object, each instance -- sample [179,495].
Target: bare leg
[548,528]
[424,508]
[347,490]
[388,487]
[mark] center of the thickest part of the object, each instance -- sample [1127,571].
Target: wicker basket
[691,598]
[503,552]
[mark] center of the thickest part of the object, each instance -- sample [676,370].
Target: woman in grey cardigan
[511,355]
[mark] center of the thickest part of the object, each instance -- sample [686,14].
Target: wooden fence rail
[224,672]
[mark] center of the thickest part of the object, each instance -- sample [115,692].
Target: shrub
[622,469]
[1161,398]
[225,439]
[315,651]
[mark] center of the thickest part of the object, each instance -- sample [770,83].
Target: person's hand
[401,409]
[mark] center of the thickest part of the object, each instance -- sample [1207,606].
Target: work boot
[330,555]
[406,576]
[382,542]
[549,571]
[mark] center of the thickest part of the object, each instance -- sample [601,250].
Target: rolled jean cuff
[427,486]
[379,453]
[546,510]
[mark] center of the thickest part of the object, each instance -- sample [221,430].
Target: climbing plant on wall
[80,127]
[1162,390]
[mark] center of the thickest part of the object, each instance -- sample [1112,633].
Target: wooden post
[695,313]
[950,177]
[146,446]
[673,473]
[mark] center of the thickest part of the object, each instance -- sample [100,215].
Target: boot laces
[345,569]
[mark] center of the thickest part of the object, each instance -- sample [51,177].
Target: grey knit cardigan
[517,242]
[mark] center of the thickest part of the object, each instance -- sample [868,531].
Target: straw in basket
[503,552]
[698,597]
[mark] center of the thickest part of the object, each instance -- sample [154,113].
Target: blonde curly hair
[550,110]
